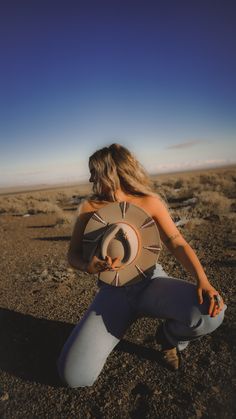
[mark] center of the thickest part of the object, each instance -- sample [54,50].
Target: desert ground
[42,298]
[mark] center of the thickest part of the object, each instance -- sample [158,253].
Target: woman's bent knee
[75,379]
[212,323]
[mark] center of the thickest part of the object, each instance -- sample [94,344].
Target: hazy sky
[156,76]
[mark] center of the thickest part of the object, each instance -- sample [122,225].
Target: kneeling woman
[189,311]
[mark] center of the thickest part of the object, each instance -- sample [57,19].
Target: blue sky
[155,76]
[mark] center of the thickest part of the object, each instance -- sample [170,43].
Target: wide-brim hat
[123,230]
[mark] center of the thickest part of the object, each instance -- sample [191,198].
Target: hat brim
[150,244]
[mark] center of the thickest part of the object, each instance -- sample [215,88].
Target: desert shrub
[227,187]
[168,182]
[193,184]
[36,196]
[178,193]
[179,183]
[221,182]
[11,205]
[213,203]
[41,207]
[23,205]
[208,179]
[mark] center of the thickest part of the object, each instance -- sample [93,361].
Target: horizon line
[43,185]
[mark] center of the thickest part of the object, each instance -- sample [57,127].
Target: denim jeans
[115,308]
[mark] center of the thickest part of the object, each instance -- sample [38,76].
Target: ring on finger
[217,299]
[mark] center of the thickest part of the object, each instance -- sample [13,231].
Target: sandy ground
[42,298]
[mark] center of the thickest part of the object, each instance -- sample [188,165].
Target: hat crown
[122,241]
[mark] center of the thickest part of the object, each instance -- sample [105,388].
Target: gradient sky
[156,76]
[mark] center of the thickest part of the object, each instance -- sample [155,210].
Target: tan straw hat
[126,231]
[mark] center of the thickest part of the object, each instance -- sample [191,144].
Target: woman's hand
[216,301]
[97,265]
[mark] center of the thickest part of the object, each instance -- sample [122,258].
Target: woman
[190,311]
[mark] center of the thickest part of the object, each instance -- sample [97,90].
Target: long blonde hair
[116,167]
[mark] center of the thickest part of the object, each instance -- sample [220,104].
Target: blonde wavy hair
[116,167]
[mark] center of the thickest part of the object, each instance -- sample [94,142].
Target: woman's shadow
[30,347]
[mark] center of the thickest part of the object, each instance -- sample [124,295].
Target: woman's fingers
[217,310]
[216,304]
[219,304]
[212,305]
[199,294]
[112,263]
[108,260]
[115,263]
[98,265]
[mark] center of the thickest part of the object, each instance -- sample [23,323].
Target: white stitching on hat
[124,208]
[98,218]
[148,222]
[154,249]
[140,271]
[115,281]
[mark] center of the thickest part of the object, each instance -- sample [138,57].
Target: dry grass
[215,191]
[214,203]
[32,205]
[20,205]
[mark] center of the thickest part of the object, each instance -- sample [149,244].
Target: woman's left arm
[178,246]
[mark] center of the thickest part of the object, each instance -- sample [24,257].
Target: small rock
[198,413]
[157,392]
[215,389]
[4,397]
[44,274]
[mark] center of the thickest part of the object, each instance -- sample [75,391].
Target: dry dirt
[41,299]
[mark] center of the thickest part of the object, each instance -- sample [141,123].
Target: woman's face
[92,175]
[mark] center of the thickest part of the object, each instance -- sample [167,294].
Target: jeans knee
[75,378]
[196,318]
[212,323]
[220,317]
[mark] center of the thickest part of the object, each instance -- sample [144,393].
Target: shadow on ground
[53,239]
[43,226]
[30,347]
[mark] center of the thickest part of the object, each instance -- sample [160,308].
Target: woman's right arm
[75,257]
[75,254]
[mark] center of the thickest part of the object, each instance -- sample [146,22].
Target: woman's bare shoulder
[88,205]
[150,203]
[153,204]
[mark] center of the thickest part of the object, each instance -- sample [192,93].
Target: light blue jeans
[114,309]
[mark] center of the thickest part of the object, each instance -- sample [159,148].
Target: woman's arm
[75,257]
[75,254]
[177,245]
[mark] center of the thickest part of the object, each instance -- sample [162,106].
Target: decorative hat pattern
[125,231]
